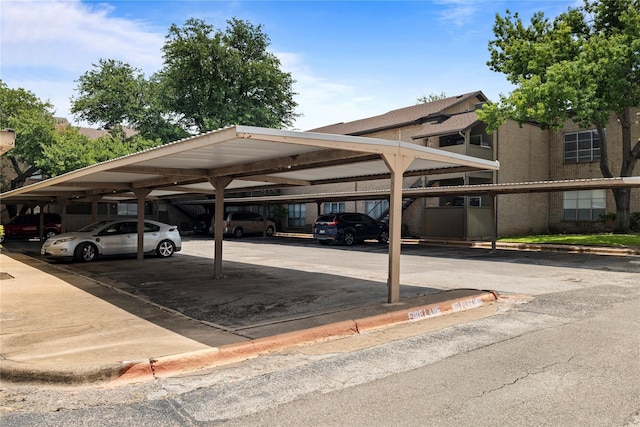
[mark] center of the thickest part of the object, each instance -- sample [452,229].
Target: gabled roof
[401,117]
[456,123]
[92,133]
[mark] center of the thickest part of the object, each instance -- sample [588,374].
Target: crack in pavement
[518,379]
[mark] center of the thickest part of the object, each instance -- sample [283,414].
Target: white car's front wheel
[86,252]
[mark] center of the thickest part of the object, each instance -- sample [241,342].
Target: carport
[241,158]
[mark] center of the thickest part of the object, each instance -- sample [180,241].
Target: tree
[33,121]
[582,66]
[114,94]
[212,79]
[43,147]
[73,150]
[425,99]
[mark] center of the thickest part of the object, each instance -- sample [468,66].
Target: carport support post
[141,194]
[397,164]
[219,184]
[94,208]
[63,213]
[41,222]
[494,221]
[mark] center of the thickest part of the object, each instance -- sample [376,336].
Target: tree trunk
[623,214]
[630,154]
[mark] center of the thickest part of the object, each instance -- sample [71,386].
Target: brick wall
[523,153]
[558,170]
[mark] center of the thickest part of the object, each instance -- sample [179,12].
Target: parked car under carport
[119,237]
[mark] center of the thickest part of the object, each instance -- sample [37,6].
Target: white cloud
[47,45]
[459,12]
[69,36]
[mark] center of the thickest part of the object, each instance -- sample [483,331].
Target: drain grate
[5,276]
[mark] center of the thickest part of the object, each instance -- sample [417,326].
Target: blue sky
[351,59]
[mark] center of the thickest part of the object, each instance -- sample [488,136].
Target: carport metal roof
[243,157]
[459,190]
[252,157]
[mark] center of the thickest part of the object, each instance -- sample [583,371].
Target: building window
[451,140]
[128,209]
[79,208]
[375,208]
[332,207]
[481,140]
[297,215]
[584,205]
[583,146]
[131,209]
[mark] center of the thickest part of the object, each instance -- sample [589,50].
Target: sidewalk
[63,327]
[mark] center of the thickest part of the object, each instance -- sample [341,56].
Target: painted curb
[169,366]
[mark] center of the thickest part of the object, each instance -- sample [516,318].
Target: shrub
[634,222]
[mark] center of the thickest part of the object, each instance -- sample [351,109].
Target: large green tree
[50,149]
[213,79]
[114,94]
[210,79]
[111,94]
[33,121]
[582,66]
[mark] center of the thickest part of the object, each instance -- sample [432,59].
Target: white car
[114,237]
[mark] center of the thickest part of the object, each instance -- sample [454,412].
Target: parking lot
[276,284]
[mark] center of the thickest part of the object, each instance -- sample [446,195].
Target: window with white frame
[584,205]
[375,208]
[583,146]
[297,215]
[332,207]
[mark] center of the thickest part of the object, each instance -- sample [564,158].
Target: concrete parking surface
[74,321]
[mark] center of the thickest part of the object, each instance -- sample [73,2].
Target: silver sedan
[116,237]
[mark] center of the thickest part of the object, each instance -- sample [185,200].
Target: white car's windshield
[94,227]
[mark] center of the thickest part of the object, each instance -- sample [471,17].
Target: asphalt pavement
[122,321]
[68,325]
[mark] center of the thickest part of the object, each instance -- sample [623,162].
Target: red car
[26,226]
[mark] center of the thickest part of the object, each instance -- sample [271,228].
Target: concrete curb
[537,247]
[168,366]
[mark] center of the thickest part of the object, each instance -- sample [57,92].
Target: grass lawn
[607,239]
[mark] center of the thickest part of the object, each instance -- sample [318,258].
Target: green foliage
[32,120]
[112,94]
[212,79]
[635,221]
[56,150]
[606,239]
[570,68]
[431,97]
[582,66]
[73,150]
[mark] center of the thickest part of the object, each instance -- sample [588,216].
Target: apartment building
[526,153]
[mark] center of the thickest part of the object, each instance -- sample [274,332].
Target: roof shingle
[414,114]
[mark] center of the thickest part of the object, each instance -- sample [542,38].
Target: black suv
[348,228]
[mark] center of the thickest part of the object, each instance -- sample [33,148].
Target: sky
[350,59]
